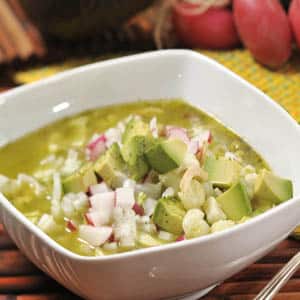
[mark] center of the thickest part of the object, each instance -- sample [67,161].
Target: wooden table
[21,280]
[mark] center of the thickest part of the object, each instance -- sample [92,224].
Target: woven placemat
[283,85]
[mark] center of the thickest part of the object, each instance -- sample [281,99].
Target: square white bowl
[177,268]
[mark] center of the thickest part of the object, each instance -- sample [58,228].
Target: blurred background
[258,39]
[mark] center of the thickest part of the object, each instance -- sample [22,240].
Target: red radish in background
[294,16]
[212,29]
[264,29]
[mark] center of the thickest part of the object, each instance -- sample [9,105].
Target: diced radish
[149,206]
[193,146]
[112,238]
[139,210]
[198,141]
[180,238]
[102,207]
[95,236]
[153,127]
[71,226]
[294,17]
[97,147]
[99,188]
[125,197]
[177,132]
[89,219]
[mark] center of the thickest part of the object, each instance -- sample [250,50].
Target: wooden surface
[21,280]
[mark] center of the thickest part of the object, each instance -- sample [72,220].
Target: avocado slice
[147,240]
[80,180]
[235,202]
[221,172]
[168,215]
[110,166]
[271,189]
[164,156]
[136,139]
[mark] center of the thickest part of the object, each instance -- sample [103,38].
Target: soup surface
[136,175]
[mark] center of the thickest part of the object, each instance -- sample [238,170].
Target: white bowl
[177,268]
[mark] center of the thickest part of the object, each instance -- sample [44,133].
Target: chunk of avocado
[80,180]
[136,139]
[235,202]
[164,156]
[221,172]
[110,166]
[135,127]
[147,240]
[271,189]
[168,215]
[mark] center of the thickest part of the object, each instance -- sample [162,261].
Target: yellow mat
[282,85]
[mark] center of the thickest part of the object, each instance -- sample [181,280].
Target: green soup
[126,185]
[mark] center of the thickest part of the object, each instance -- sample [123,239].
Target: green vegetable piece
[110,166]
[235,202]
[222,173]
[166,155]
[168,215]
[171,179]
[80,180]
[147,240]
[271,189]
[136,139]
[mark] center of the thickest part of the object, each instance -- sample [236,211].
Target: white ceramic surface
[177,268]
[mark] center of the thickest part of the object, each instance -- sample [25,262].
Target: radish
[95,236]
[96,147]
[198,141]
[125,197]
[212,29]
[71,226]
[99,188]
[294,16]
[178,133]
[264,29]
[180,238]
[139,210]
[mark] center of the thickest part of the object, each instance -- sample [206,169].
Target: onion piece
[95,236]
[125,197]
[149,206]
[153,127]
[99,188]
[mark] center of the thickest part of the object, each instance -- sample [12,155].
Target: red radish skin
[71,226]
[213,29]
[264,29]
[294,16]
[88,219]
[138,209]
[180,238]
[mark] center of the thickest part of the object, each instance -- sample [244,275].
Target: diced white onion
[129,183]
[169,192]
[47,223]
[125,197]
[95,236]
[166,236]
[153,127]
[57,188]
[99,188]
[149,206]
[110,246]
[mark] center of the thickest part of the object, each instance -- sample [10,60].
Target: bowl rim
[144,251]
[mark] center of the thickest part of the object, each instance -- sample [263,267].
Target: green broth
[25,154]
